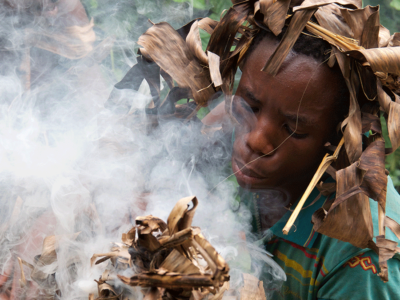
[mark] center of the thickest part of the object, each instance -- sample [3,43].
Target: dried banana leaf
[214,63]
[352,124]
[330,17]
[375,179]
[297,24]
[394,40]
[311,4]
[170,281]
[176,262]
[358,18]
[351,220]
[275,15]
[194,43]
[387,249]
[386,60]
[180,217]
[392,108]
[167,48]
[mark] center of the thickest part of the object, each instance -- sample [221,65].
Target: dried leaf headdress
[369,59]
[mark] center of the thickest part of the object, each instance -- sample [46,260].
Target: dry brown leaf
[370,34]
[176,262]
[180,217]
[394,40]
[262,6]
[153,223]
[393,226]
[387,249]
[351,220]
[393,110]
[330,17]
[386,60]
[358,18]
[167,48]
[375,179]
[371,122]
[275,15]
[208,25]
[252,288]
[311,4]
[299,20]
[194,43]
[353,130]
[384,36]
[119,251]
[213,63]
[224,34]
[168,281]
[178,238]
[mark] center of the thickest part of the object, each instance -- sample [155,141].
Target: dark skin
[267,108]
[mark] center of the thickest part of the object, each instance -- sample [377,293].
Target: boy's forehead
[300,78]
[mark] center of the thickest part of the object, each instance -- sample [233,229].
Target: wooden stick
[381,220]
[326,162]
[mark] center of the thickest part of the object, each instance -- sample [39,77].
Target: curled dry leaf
[213,63]
[194,43]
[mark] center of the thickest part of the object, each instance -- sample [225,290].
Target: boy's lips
[245,175]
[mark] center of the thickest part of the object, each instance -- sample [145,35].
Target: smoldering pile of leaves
[169,260]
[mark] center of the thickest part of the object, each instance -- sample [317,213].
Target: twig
[326,162]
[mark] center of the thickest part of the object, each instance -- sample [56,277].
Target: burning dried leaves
[44,268]
[170,260]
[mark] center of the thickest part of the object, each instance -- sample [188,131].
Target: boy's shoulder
[332,269]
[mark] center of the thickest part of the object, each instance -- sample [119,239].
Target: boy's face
[267,107]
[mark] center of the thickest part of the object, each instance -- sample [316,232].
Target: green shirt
[319,267]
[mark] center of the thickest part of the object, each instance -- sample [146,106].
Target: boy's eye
[293,133]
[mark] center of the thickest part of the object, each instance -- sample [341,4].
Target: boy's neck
[273,204]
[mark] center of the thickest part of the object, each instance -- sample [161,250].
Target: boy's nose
[261,139]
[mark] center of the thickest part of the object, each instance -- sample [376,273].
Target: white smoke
[69,165]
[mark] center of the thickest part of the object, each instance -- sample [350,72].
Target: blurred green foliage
[389,13]
[390,18]
[126,20]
